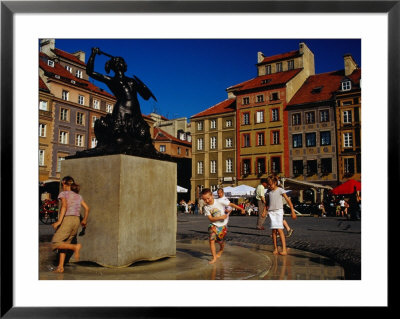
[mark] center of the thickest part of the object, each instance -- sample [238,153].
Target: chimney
[260,57]
[349,64]
[80,55]
[307,59]
[301,47]
[46,45]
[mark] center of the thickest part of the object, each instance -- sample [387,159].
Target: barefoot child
[275,212]
[68,222]
[215,211]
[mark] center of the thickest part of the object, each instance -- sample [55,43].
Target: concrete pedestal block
[132,204]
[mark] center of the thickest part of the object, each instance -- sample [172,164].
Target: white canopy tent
[238,191]
[227,191]
[243,191]
[180,189]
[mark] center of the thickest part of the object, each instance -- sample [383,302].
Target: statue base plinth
[132,204]
[139,150]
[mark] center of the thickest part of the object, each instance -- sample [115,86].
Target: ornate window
[296,119]
[213,167]
[297,140]
[229,165]
[213,143]
[325,138]
[348,139]
[311,139]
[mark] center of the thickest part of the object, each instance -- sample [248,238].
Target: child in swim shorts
[217,230]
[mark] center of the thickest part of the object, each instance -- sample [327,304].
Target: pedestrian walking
[353,205]
[196,207]
[201,205]
[321,207]
[214,209]
[191,206]
[275,212]
[69,220]
[343,207]
[184,206]
[338,210]
[260,197]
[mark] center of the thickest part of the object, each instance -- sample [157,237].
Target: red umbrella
[347,187]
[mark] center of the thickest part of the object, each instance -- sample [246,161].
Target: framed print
[376,23]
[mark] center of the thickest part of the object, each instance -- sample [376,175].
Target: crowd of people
[246,207]
[270,200]
[348,206]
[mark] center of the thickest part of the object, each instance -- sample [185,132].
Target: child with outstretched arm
[217,229]
[275,211]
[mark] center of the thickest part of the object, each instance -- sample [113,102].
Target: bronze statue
[124,131]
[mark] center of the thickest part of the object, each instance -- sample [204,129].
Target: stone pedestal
[132,204]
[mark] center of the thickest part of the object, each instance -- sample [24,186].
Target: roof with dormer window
[265,81]
[59,72]
[322,87]
[162,136]
[68,56]
[225,106]
[355,77]
[318,88]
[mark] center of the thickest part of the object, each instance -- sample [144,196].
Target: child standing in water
[68,222]
[275,212]
[214,209]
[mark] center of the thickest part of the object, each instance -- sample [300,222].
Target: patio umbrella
[347,187]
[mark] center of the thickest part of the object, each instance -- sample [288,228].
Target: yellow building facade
[214,148]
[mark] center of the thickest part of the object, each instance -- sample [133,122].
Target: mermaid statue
[124,131]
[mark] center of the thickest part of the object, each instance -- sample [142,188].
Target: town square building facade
[262,123]
[214,147]
[75,104]
[302,126]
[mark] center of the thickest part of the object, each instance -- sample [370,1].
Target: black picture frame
[9,8]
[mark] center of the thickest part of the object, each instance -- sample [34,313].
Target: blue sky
[189,75]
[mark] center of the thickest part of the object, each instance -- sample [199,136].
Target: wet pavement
[244,261]
[247,255]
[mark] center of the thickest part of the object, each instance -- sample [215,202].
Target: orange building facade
[261,120]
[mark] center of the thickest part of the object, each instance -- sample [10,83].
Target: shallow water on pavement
[238,262]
